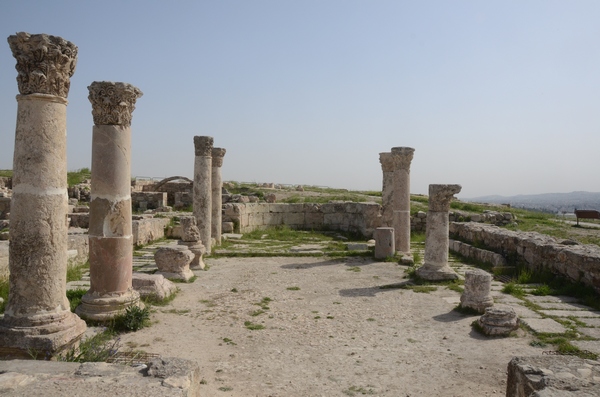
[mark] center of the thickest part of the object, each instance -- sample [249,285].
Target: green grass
[514,289]
[74,296]
[97,348]
[253,326]
[75,273]
[4,287]
[6,173]
[293,288]
[78,176]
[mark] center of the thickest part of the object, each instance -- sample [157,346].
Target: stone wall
[360,218]
[170,188]
[142,201]
[146,230]
[575,262]
[478,254]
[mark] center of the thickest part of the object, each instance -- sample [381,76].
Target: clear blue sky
[502,97]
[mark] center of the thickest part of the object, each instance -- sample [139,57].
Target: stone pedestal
[217,199]
[37,317]
[437,241]
[387,191]
[203,146]
[174,262]
[190,237]
[110,232]
[476,295]
[384,242]
[498,321]
[402,157]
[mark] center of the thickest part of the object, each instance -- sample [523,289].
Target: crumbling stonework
[142,201]
[110,232]
[361,218]
[37,315]
[478,254]
[577,263]
[435,266]
[553,376]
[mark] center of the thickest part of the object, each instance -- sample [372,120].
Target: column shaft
[202,188]
[387,190]
[402,157]
[217,196]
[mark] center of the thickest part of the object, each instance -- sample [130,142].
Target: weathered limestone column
[203,146]
[437,241]
[217,196]
[476,294]
[37,317]
[387,191]
[401,201]
[110,232]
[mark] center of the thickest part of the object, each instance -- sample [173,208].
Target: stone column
[110,231]
[437,241]
[401,201]
[387,191]
[37,317]
[203,146]
[476,294]
[217,199]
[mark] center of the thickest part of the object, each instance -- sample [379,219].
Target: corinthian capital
[387,162]
[403,157]
[45,63]
[203,145]
[217,156]
[440,196]
[113,103]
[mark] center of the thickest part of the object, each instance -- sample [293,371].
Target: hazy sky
[502,97]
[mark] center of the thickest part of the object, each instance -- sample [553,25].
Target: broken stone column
[190,237]
[476,294]
[401,201]
[499,321]
[203,146]
[387,191]
[384,242]
[110,232]
[217,198]
[437,240]
[37,317]
[174,262]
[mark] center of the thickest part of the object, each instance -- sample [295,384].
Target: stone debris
[499,321]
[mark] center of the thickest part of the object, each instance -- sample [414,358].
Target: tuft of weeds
[257,313]
[74,296]
[180,281]
[97,348]
[133,319]
[75,273]
[253,326]
[355,269]
[156,301]
[542,290]
[514,289]
[469,311]
[424,289]
[293,288]
[4,287]
[229,341]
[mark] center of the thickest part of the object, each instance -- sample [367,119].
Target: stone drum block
[174,262]
[476,295]
[384,242]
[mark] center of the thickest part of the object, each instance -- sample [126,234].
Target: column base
[40,337]
[106,307]
[436,273]
[185,275]
[198,250]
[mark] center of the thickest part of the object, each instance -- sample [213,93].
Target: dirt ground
[329,330]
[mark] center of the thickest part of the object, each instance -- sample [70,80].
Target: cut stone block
[544,325]
[153,285]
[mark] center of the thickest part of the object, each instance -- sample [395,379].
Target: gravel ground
[329,330]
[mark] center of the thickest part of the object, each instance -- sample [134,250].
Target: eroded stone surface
[384,242]
[499,321]
[477,288]
[153,285]
[402,158]
[174,262]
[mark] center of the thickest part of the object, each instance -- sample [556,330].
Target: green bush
[133,319]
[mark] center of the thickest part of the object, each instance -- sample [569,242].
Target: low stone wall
[360,218]
[552,376]
[146,230]
[142,201]
[578,263]
[418,221]
[478,254]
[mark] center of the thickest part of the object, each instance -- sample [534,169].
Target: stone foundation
[361,218]
[142,201]
[539,252]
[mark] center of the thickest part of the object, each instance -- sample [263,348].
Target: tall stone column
[37,317]
[203,146]
[437,241]
[217,196]
[110,231]
[401,202]
[387,191]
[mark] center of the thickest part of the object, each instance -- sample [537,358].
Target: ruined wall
[578,263]
[142,201]
[170,188]
[146,230]
[360,218]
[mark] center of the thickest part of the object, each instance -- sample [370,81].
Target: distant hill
[548,202]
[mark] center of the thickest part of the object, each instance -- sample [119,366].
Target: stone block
[153,286]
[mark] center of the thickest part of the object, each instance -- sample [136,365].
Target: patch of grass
[229,341]
[97,348]
[293,288]
[542,290]
[563,344]
[424,289]
[75,273]
[78,176]
[417,237]
[74,296]
[354,390]
[456,286]
[6,173]
[469,311]
[234,290]
[155,301]
[257,313]
[4,288]
[133,319]
[514,289]
[370,319]
[355,269]
[225,388]
[191,280]
[252,326]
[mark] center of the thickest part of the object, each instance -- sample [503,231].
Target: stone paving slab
[525,312]
[78,285]
[505,298]
[593,332]
[591,322]
[455,300]
[562,306]
[569,313]
[544,325]
[589,345]
[551,298]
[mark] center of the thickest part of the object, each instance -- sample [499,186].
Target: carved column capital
[113,103]
[403,157]
[203,145]
[45,63]
[387,162]
[440,196]
[217,156]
